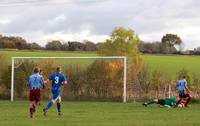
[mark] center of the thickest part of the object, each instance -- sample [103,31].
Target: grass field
[107,113]
[82,63]
[172,64]
[169,65]
[99,114]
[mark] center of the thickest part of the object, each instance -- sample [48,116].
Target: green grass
[10,54]
[99,114]
[169,65]
[82,63]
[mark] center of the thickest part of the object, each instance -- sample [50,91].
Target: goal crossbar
[79,57]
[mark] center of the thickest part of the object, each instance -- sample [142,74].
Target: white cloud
[95,19]
[187,29]
[80,36]
[42,38]
[58,19]
[4,21]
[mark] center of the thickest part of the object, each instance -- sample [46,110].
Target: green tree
[89,46]
[76,46]
[54,45]
[170,40]
[123,42]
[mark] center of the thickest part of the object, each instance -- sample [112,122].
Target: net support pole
[125,62]
[169,91]
[12,80]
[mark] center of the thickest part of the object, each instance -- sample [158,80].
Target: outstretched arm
[64,82]
[48,84]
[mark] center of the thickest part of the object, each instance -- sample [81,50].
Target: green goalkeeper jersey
[170,101]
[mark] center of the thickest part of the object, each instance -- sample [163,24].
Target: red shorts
[34,95]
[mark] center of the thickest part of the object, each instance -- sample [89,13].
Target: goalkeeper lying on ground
[167,102]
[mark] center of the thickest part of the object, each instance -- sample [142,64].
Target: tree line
[54,45]
[169,44]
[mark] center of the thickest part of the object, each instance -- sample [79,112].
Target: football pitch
[99,114]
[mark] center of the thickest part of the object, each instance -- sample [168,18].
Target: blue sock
[58,107]
[49,105]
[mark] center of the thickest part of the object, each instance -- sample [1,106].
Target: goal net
[89,78]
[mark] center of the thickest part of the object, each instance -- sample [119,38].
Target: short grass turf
[99,114]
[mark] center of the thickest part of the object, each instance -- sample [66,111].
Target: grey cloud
[145,17]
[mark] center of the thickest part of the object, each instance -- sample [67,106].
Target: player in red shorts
[185,100]
[184,92]
[35,83]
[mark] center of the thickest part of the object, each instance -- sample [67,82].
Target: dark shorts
[182,94]
[161,102]
[34,95]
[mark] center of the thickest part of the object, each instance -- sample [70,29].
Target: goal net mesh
[88,79]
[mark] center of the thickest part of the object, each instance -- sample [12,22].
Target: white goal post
[90,57]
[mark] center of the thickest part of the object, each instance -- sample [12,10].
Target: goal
[16,64]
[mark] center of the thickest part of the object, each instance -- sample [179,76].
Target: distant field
[10,54]
[170,65]
[83,62]
[99,114]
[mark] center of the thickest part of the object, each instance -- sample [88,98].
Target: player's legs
[34,98]
[155,101]
[51,102]
[188,99]
[37,97]
[31,99]
[181,96]
[59,105]
[31,109]
[161,102]
[150,102]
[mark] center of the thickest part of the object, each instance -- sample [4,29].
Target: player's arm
[64,80]
[48,83]
[28,83]
[186,87]
[43,82]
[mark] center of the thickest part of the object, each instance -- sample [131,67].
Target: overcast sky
[44,20]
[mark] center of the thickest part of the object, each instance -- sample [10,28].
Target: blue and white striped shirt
[182,84]
[35,81]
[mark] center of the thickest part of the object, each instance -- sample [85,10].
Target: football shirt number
[56,80]
[35,79]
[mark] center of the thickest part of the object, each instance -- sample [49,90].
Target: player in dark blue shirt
[57,79]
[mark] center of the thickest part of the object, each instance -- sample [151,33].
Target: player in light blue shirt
[57,79]
[35,83]
[183,90]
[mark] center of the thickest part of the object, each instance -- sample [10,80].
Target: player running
[35,83]
[167,102]
[184,92]
[57,79]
